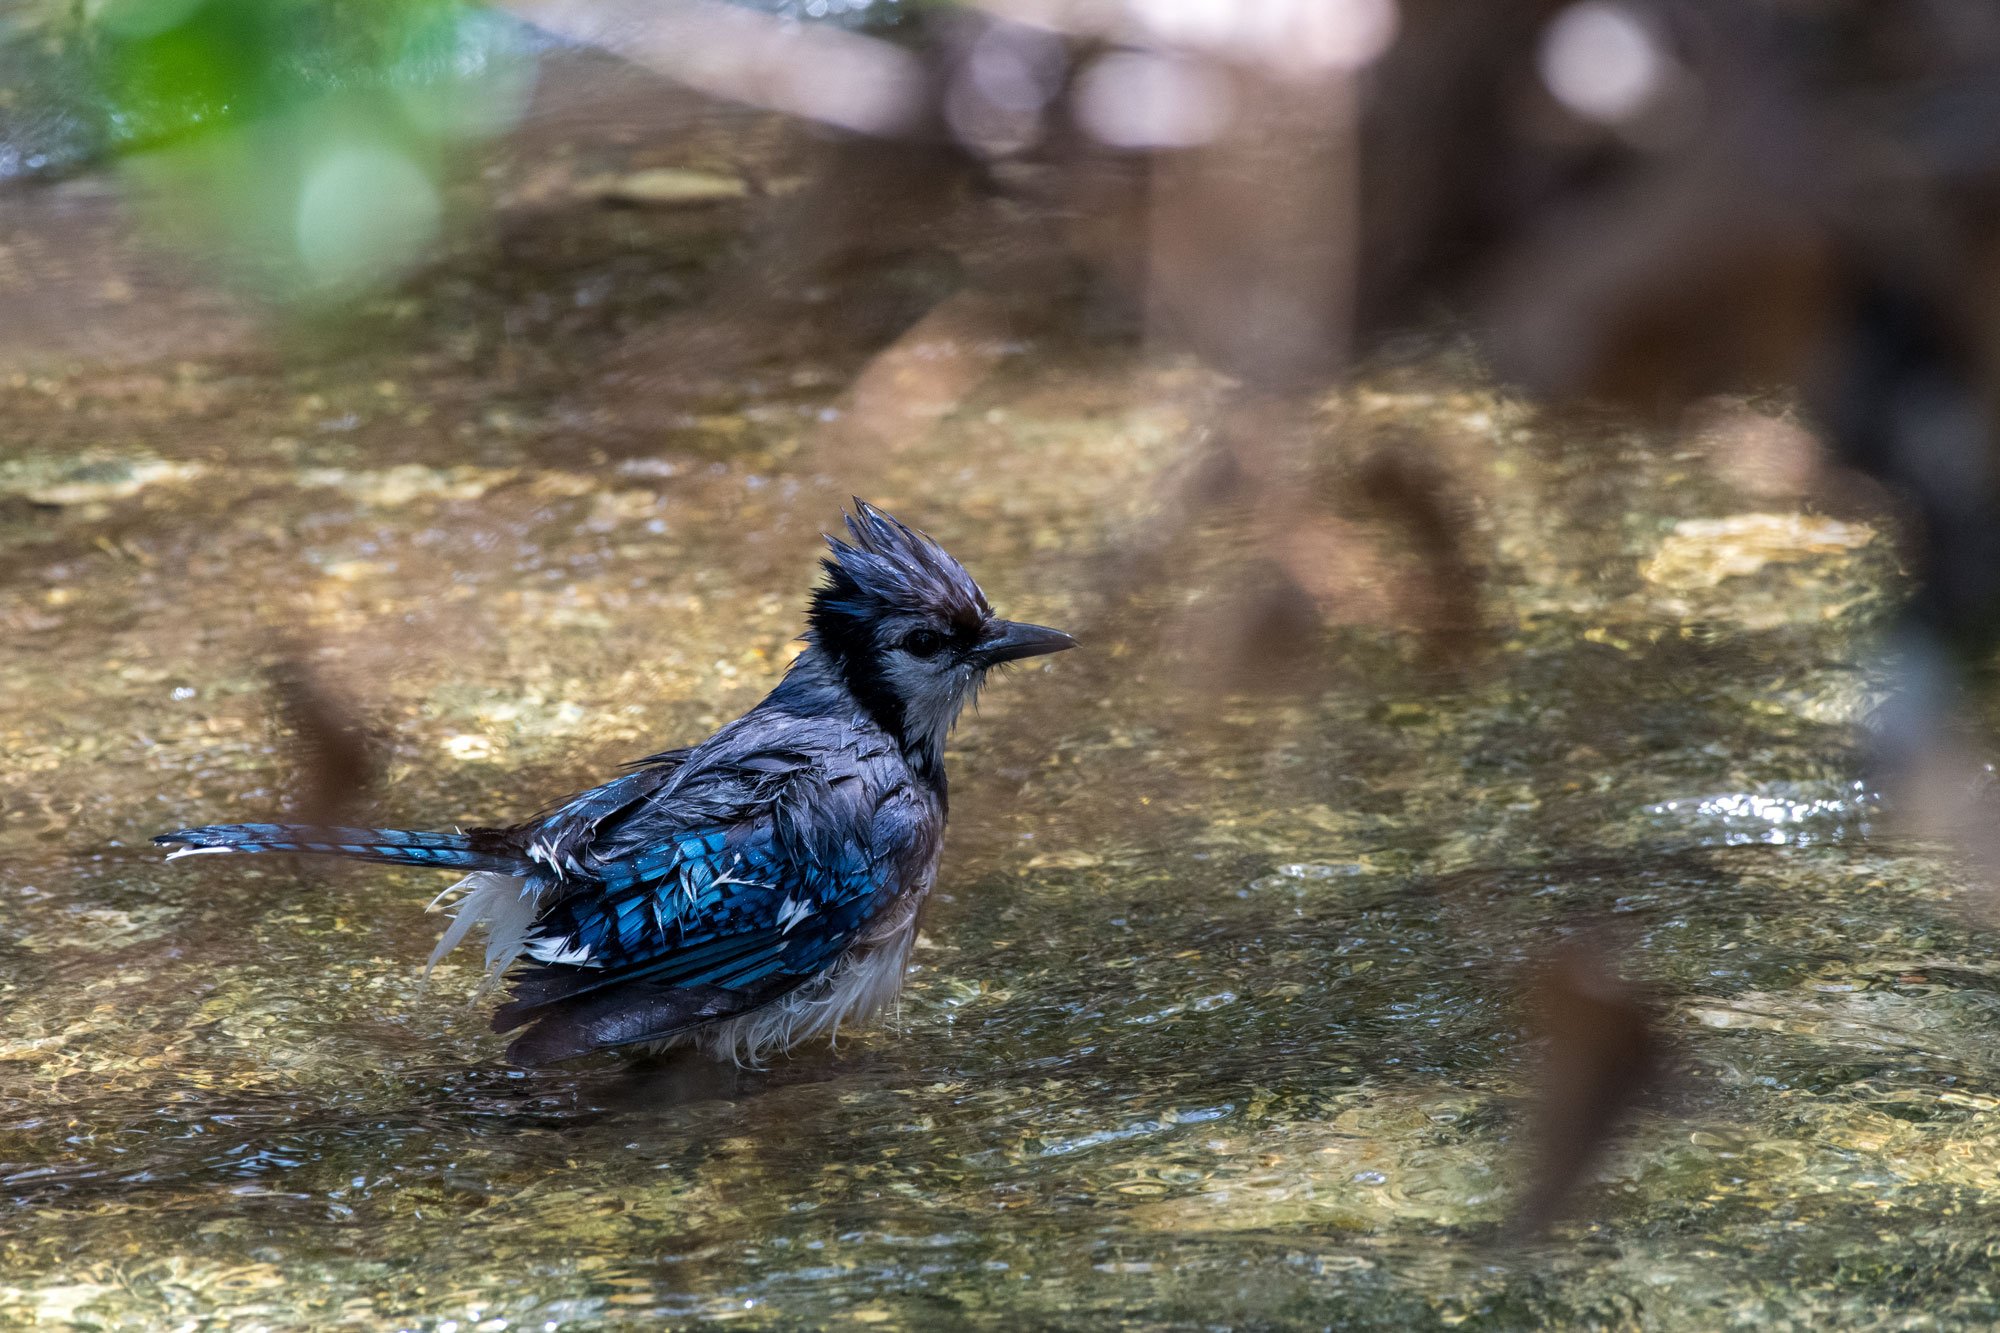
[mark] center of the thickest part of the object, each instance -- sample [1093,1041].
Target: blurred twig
[336,756]
[1601,1055]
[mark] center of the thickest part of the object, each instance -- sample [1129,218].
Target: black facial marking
[882,574]
[848,643]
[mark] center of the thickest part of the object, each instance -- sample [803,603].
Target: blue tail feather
[446,851]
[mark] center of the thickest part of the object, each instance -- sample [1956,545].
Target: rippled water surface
[1215,1019]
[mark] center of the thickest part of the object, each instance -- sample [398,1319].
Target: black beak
[1010,641]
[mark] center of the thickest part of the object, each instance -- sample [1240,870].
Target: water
[1216,1019]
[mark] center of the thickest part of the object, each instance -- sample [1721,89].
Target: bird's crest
[887,568]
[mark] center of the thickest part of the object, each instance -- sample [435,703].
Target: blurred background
[1516,850]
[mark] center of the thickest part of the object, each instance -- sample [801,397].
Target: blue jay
[748,893]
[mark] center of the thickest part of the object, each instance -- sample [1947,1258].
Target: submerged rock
[90,478]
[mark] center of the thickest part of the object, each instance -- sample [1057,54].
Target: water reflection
[1788,814]
[1215,1018]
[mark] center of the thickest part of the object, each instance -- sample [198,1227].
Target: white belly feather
[861,984]
[864,982]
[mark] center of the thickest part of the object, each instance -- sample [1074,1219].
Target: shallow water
[1216,1017]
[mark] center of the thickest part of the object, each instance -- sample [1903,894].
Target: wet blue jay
[748,893]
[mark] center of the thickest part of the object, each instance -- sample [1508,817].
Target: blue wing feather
[744,871]
[705,886]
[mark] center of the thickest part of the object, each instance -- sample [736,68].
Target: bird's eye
[923,643]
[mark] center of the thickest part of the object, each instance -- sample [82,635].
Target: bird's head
[910,632]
